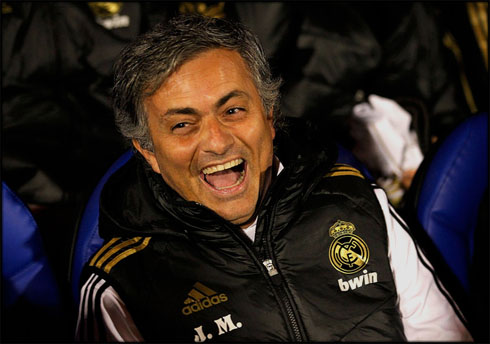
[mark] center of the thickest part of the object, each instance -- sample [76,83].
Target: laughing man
[223,228]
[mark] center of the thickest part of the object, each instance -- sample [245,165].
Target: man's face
[212,138]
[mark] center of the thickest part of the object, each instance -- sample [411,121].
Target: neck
[270,175]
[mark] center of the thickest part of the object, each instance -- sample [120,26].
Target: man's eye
[234,111]
[180,125]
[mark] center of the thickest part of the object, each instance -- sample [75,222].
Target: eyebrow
[235,93]
[218,104]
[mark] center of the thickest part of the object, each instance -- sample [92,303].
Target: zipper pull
[270,267]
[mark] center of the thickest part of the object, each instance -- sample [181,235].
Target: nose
[216,138]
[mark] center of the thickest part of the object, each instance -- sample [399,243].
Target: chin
[237,220]
[237,209]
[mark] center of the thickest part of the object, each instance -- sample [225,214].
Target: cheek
[268,152]
[264,147]
[173,158]
[174,168]
[176,161]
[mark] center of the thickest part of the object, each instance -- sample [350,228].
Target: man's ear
[270,119]
[149,156]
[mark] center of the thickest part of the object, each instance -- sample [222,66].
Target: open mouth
[225,176]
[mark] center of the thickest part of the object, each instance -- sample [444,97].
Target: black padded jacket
[317,270]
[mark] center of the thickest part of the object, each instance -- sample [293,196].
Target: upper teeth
[217,168]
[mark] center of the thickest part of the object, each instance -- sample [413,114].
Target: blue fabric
[452,191]
[26,272]
[345,156]
[88,239]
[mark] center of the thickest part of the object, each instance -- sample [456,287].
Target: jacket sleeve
[103,316]
[428,311]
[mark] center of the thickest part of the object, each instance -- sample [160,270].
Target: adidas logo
[201,297]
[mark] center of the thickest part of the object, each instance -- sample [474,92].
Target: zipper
[275,278]
[270,267]
[279,287]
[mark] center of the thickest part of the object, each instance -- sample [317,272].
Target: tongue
[223,179]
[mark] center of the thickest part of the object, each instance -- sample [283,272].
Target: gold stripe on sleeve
[101,250]
[115,250]
[343,170]
[126,253]
[344,173]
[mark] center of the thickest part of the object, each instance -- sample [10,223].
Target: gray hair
[144,65]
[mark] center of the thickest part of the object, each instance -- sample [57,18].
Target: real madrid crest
[348,253]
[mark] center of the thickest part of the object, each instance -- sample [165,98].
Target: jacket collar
[137,202]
